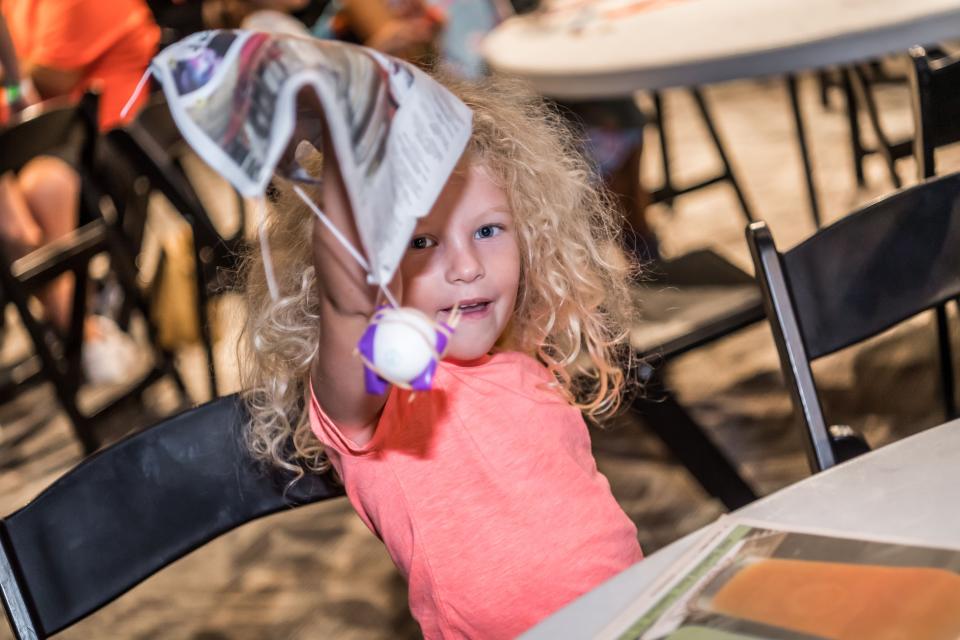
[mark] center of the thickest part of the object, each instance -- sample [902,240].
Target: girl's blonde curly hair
[573,307]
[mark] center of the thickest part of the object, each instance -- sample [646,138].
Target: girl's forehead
[470,191]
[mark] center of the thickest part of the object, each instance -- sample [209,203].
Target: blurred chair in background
[152,148]
[60,348]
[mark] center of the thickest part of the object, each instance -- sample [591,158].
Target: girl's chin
[458,353]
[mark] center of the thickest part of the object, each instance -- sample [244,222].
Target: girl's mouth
[470,308]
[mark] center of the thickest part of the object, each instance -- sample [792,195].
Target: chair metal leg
[856,139]
[54,362]
[823,84]
[125,268]
[946,363]
[203,318]
[804,152]
[668,191]
[690,445]
[718,145]
[885,147]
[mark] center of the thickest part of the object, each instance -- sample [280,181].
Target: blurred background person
[14,100]
[64,48]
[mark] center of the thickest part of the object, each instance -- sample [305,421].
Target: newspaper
[238,99]
[749,579]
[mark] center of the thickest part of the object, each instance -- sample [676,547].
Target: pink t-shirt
[487,496]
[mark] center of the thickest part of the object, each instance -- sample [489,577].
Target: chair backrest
[934,82]
[54,124]
[68,129]
[882,264]
[71,133]
[149,143]
[132,509]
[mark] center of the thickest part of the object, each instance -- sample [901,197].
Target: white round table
[574,49]
[590,49]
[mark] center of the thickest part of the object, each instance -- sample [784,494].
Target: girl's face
[465,253]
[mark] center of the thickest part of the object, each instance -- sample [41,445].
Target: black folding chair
[933,80]
[880,265]
[936,111]
[133,508]
[152,145]
[60,354]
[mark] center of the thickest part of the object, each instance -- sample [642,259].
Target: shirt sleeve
[71,34]
[332,437]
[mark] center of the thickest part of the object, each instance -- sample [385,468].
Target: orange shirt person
[68,46]
[63,48]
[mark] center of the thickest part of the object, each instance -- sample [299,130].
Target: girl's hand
[400,35]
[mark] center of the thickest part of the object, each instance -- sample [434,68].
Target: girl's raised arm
[346,304]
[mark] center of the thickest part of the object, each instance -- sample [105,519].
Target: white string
[389,296]
[342,239]
[265,251]
[136,94]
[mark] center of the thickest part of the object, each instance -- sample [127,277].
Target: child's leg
[20,232]
[50,189]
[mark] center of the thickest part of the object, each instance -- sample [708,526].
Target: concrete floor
[318,573]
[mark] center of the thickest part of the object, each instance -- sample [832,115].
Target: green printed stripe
[681,588]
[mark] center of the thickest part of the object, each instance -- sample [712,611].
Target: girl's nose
[465,266]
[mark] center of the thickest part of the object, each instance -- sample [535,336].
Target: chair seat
[61,255]
[692,300]
[674,321]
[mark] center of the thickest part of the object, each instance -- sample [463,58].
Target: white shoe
[112,357]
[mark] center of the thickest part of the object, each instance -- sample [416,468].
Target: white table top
[906,490]
[608,48]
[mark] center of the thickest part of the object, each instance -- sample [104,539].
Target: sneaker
[111,356]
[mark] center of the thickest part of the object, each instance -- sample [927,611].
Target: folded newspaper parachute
[397,133]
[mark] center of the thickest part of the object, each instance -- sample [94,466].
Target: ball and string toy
[401,345]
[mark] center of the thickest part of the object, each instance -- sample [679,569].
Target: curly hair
[573,307]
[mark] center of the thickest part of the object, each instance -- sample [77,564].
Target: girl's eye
[488,231]
[422,242]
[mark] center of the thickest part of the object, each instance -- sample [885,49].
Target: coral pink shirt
[487,496]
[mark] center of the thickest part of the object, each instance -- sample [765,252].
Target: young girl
[484,488]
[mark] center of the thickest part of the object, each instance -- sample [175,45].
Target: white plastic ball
[404,344]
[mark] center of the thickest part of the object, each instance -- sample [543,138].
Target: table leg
[668,191]
[727,168]
[804,153]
